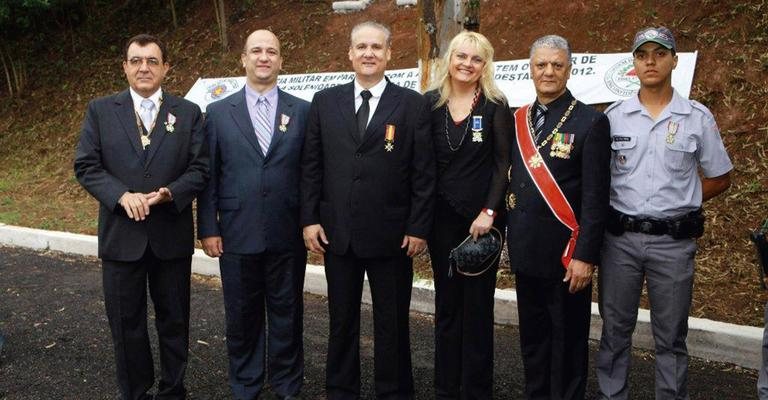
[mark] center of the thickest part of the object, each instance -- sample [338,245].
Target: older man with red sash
[558,204]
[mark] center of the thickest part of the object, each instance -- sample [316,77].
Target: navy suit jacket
[252,199]
[366,197]
[109,161]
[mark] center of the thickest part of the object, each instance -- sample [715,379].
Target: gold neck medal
[145,137]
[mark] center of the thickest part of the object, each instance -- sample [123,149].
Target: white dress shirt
[376,91]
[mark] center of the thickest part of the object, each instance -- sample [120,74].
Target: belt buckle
[627,223]
[646,227]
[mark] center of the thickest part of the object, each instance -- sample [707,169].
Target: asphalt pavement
[58,343]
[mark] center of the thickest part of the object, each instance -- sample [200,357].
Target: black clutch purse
[473,257]
[760,237]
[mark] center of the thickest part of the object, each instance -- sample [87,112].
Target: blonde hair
[442,79]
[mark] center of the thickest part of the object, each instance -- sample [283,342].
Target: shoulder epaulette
[701,107]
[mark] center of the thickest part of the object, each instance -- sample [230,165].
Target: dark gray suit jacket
[109,161]
[252,199]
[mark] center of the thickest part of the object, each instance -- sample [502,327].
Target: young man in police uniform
[660,141]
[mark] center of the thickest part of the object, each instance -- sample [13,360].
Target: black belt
[648,226]
[690,225]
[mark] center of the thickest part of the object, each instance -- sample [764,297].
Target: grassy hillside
[38,131]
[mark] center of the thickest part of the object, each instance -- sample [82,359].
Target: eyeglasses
[138,61]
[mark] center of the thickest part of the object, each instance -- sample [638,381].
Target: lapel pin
[169,123]
[389,138]
[284,120]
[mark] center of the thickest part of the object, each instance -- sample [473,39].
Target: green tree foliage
[25,23]
[63,29]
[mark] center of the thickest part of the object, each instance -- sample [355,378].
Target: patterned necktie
[262,125]
[147,114]
[363,112]
[538,124]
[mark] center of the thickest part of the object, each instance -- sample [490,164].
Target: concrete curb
[711,340]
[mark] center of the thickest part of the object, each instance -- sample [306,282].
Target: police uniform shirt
[654,164]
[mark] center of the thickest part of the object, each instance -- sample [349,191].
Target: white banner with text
[595,79]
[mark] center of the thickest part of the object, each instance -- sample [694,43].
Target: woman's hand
[481,225]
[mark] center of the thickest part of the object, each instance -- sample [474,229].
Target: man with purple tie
[248,216]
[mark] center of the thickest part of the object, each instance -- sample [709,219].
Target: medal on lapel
[170,122]
[389,138]
[562,144]
[671,131]
[477,128]
[284,120]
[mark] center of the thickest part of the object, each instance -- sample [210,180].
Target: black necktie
[362,113]
[538,124]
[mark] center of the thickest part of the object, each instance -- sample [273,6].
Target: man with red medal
[367,188]
[558,202]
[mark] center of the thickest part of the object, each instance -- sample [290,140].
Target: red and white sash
[545,182]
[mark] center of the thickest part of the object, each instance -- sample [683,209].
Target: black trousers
[463,315]
[260,346]
[125,298]
[554,334]
[390,280]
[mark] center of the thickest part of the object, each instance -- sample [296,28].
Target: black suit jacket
[109,161]
[252,199]
[536,239]
[366,197]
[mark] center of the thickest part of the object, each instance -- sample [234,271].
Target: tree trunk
[6,70]
[427,41]
[440,21]
[221,20]
[173,14]
[15,72]
[450,14]
[23,68]
[71,30]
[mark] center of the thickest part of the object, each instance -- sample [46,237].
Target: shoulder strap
[539,172]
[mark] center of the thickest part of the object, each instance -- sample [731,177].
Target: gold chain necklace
[554,131]
[145,139]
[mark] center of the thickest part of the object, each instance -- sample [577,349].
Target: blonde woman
[470,124]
